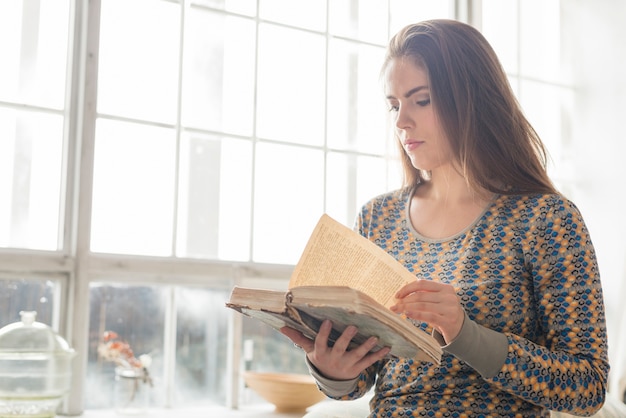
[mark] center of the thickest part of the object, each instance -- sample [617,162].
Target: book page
[242,297]
[335,255]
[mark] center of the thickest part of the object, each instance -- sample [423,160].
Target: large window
[157,152]
[221,131]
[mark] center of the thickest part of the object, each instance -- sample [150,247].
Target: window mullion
[169,349]
[87,17]
[181,45]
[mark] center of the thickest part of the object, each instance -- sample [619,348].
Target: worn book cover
[346,278]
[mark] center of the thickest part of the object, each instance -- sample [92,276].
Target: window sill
[253,411]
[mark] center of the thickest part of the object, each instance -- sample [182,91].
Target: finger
[427,291]
[364,349]
[430,301]
[343,342]
[447,321]
[421,304]
[321,341]
[417,286]
[298,338]
[372,358]
[418,302]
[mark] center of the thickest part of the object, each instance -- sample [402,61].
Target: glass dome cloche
[35,368]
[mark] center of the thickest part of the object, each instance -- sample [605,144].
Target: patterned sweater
[526,268]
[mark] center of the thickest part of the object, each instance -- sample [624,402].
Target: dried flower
[118,351]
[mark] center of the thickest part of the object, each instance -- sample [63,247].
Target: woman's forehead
[403,75]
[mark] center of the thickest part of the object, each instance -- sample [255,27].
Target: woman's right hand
[337,362]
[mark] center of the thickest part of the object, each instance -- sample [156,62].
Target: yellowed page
[335,255]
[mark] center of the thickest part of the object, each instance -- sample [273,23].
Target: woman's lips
[411,144]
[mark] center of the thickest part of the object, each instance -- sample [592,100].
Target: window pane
[288,201]
[138,66]
[310,14]
[33,48]
[364,20]
[546,108]
[540,42]
[201,349]
[291,85]
[31,160]
[133,189]
[367,177]
[266,350]
[218,90]
[404,12]
[356,106]
[500,26]
[394,173]
[28,294]
[214,198]
[371,178]
[137,315]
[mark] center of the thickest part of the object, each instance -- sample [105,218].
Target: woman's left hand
[434,303]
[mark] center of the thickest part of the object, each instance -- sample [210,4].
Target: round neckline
[407,214]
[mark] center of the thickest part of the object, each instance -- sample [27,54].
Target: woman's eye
[393,108]
[425,102]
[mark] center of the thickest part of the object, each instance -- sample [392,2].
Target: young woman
[506,275]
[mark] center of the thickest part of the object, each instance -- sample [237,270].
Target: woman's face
[417,125]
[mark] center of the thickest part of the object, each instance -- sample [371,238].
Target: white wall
[594,39]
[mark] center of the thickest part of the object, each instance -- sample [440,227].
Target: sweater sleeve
[332,388]
[482,348]
[566,367]
[344,389]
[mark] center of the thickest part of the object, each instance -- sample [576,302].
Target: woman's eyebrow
[410,92]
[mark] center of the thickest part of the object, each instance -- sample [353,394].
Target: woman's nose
[403,120]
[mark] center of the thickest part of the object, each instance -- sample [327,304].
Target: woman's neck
[447,185]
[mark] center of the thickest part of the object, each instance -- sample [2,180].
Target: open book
[343,277]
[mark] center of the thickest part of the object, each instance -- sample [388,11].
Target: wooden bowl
[287,392]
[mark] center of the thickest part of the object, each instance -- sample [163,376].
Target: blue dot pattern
[526,268]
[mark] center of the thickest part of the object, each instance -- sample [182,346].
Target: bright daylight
[285,208]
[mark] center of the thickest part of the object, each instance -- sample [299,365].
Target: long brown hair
[495,146]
